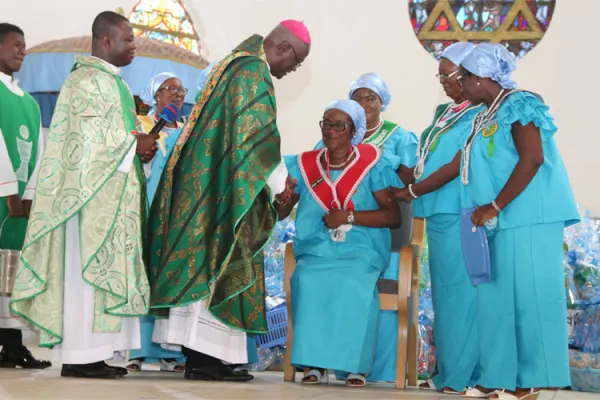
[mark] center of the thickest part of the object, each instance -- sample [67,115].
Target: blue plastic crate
[585,379]
[277,321]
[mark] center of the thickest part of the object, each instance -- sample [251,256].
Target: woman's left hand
[335,218]
[483,214]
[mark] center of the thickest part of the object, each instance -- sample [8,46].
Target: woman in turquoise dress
[163,89]
[435,191]
[512,172]
[342,245]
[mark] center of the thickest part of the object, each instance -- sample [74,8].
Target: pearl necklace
[480,120]
[424,148]
[375,129]
[339,165]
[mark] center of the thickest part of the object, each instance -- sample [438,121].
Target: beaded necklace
[479,122]
[452,114]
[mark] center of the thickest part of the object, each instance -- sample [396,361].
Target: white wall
[350,37]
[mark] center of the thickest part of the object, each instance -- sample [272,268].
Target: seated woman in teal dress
[163,89]
[454,297]
[399,148]
[512,172]
[342,245]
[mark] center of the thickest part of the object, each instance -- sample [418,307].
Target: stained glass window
[518,24]
[167,21]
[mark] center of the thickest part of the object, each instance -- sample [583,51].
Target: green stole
[212,213]
[20,127]
[89,138]
[383,134]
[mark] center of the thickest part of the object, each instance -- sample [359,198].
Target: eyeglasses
[370,98]
[298,63]
[175,90]
[337,126]
[445,77]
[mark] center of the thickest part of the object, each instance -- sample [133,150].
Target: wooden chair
[401,296]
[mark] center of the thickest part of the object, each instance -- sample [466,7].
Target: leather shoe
[86,371]
[120,370]
[216,372]
[22,357]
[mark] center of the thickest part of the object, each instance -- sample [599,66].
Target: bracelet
[496,207]
[414,196]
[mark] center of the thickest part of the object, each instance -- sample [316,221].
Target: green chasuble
[89,138]
[20,122]
[212,213]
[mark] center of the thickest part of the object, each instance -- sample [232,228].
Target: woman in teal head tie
[162,90]
[435,189]
[342,245]
[512,172]
[399,146]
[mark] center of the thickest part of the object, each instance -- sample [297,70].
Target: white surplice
[194,327]
[8,187]
[81,345]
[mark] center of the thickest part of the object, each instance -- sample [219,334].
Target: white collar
[7,79]
[114,69]
[11,83]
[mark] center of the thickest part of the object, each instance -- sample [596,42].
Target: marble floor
[21,384]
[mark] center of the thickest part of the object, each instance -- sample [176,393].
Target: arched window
[167,21]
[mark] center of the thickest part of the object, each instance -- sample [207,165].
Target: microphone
[166,116]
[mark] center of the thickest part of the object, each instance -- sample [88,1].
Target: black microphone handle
[158,127]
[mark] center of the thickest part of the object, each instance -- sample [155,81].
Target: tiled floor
[48,385]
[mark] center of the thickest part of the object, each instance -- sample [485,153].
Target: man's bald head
[112,39]
[286,47]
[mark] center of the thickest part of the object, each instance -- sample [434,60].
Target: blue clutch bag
[475,249]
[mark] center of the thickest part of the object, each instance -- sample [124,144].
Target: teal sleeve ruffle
[527,108]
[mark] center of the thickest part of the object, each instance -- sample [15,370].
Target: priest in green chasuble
[21,148]
[82,281]
[213,211]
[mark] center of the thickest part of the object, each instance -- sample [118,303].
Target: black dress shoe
[89,371]
[216,372]
[11,357]
[120,370]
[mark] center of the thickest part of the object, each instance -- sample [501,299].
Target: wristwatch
[350,217]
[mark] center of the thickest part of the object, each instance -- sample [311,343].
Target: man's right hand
[15,206]
[146,147]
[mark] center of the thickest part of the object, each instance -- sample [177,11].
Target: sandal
[429,385]
[504,395]
[134,365]
[170,365]
[356,377]
[320,377]
[474,393]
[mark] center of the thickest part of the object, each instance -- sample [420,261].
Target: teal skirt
[335,307]
[522,313]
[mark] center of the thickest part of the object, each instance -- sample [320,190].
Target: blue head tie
[373,82]
[456,52]
[356,113]
[148,95]
[494,61]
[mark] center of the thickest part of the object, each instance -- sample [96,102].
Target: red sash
[338,194]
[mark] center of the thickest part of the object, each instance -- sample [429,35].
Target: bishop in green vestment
[82,279]
[213,214]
